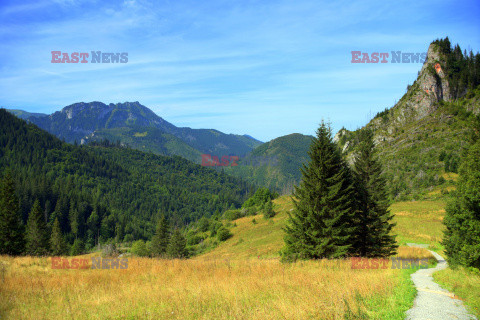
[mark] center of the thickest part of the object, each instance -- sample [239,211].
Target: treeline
[339,210]
[462,218]
[205,234]
[462,69]
[106,194]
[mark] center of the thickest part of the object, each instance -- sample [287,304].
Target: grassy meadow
[240,279]
[205,289]
[420,221]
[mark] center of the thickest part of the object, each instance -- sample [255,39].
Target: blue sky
[264,68]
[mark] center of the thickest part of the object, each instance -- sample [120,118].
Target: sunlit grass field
[420,221]
[240,279]
[196,289]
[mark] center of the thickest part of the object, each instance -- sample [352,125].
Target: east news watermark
[96,263]
[394,263]
[383,57]
[92,57]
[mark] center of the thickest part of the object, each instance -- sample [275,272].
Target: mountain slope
[147,139]
[83,122]
[420,138]
[104,192]
[25,115]
[275,164]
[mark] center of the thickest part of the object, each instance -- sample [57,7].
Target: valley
[109,211]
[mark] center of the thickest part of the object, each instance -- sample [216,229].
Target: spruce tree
[161,238]
[373,218]
[177,246]
[58,246]
[268,211]
[36,235]
[321,224]
[73,218]
[78,247]
[11,228]
[462,219]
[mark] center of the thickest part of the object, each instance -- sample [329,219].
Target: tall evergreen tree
[161,238]
[321,223]
[177,245]
[373,218]
[57,242]
[36,235]
[74,217]
[11,228]
[462,219]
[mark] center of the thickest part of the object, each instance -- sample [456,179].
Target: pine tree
[73,218]
[77,248]
[177,246]
[58,246]
[11,228]
[161,238]
[373,218]
[269,213]
[118,233]
[36,235]
[93,223]
[462,219]
[321,224]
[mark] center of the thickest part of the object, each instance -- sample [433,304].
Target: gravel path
[432,301]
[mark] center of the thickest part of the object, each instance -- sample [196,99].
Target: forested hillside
[275,164]
[105,192]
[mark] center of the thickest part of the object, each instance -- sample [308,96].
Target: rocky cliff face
[421,99]
[432,78]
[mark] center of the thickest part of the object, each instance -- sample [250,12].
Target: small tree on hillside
[268,210]
[36,236]
[77,248]
[57,242]
[177,247]
[161,238]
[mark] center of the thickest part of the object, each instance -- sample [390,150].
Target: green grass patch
[393,306]
[463,282]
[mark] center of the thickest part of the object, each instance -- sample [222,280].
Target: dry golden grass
[419,221]
[195,289]
[240,279]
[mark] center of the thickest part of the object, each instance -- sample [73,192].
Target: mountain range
[135,125]
[419,139]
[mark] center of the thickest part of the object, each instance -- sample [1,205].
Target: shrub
[193,239]
[232,214]
[214,226]
[139,248]
[223,234]
[203,224]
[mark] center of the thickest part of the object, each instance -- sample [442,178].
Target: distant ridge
[136,125]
